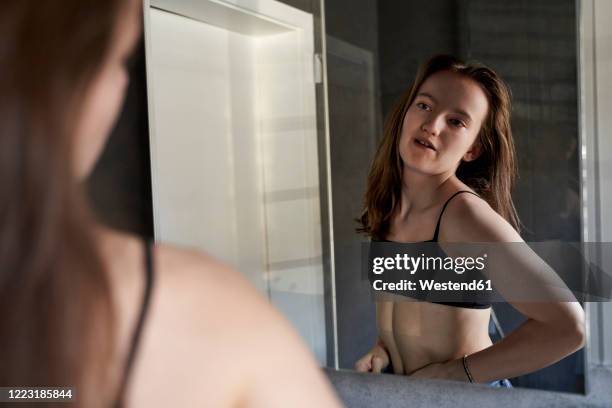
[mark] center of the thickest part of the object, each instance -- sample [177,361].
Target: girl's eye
[423,106]
[456,123]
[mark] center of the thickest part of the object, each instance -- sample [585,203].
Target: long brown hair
[56,314]
[491,175]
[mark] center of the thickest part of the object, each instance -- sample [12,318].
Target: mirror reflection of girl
[121,320]
[444,172]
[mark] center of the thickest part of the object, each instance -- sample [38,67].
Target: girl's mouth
[424,143]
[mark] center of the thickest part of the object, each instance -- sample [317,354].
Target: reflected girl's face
[106,92]
[442,124]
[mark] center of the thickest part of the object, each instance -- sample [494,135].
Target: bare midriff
[416,334]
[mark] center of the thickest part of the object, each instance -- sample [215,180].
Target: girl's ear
[474,152]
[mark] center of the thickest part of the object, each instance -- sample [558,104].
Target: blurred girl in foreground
[121,320]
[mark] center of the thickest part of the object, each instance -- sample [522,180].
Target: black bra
[469,305]
[137,333]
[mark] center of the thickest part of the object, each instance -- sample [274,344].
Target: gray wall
[409,34]
[533,47]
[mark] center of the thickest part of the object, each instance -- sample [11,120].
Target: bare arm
[551,332]
[553,329]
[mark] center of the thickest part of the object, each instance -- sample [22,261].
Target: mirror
[372,58]
[260,148]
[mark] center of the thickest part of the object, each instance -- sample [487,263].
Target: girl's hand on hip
[374,361]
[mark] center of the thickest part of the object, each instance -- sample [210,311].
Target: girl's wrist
[456,370]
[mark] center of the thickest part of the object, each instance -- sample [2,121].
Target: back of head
[55,303]
[492,174]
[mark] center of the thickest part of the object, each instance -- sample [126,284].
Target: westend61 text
[428,285]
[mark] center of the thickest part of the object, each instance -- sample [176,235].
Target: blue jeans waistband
[500,384]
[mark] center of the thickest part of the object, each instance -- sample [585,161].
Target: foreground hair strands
[52,280]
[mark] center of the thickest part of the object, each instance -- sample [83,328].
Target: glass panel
[234,145]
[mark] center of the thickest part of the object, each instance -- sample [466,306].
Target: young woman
[444,172]
[120,320]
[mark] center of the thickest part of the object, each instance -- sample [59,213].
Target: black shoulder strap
[435,238]
[137,333]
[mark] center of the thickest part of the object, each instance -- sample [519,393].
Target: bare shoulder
[192,271]
[209,327]
[209,339]
[469,218]
[208,294]
[205,291]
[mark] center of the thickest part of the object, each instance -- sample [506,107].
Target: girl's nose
[431,126]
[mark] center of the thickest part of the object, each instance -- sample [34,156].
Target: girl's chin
[417,161]
[418,168]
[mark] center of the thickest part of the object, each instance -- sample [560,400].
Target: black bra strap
[435,238]
[137,333]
